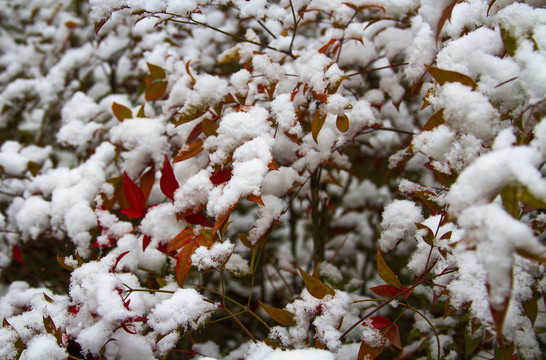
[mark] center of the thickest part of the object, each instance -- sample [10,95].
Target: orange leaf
[189,151]
[181,239]
[282,316]
[155,91]
[255,198]
[183,262]
[221,220]
[315,287]
[121,112]
[385,271]
[320,97]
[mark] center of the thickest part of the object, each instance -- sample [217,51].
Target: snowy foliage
[303,179]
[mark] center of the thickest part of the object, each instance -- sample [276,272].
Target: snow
[261,351]
[399,218]
[205,259]
[63,150]
[192,312]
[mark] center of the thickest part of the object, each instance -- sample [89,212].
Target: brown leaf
[157,72]
[121,112]
[342,123]
[446,15]
[156,90]
[385,271]
[367,352]
[315,287]
[282,316]
[443,76]
[316,124]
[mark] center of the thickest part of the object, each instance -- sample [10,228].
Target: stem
[316,218]
[240,324]
[266,29]
[380,307]
[431,326]
[376,69]
[295,28]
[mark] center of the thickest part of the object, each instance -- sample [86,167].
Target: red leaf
[380,322]
[168,181]
[221,220]
[386,291]
[197,130]
[221,176]
[393,334]
[199,219]
[145,242]
[120,256]
[126,328]
[16,253]
[74,309]
[134,196]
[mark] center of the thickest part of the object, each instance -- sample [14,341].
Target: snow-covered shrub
[264,180]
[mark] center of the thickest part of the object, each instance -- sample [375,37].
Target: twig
[376,69]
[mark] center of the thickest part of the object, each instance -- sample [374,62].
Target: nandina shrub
[251,179]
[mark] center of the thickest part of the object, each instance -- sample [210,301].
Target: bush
[252,179]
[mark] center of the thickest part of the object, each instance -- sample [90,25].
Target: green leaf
[157,72]
[316,124]
[471,342]
[385,272]
[60,260]
[47,298]
[282,316]
[443,76]
[121,112]
[510,42]
[531,309]
[210,127]
[315,287]
[509,195]
[155,91]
